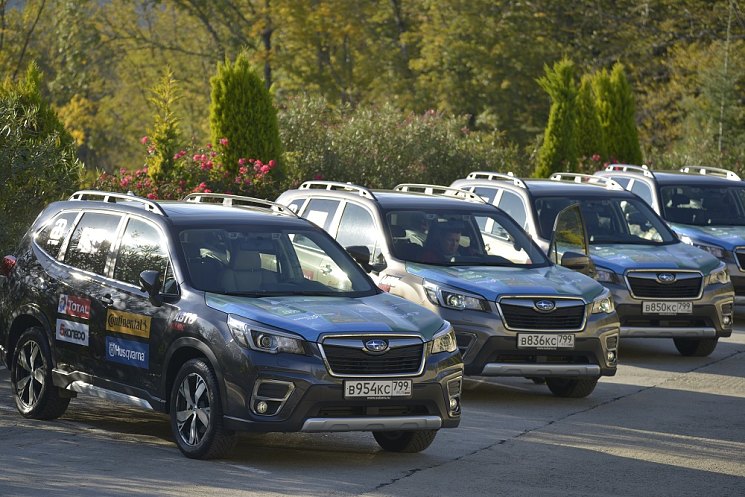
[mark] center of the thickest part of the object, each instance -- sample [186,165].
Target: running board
[378,423]
[103,393]
[511,369]
[662,332]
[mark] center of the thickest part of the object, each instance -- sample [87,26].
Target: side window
[624,182]
[321,211]
[487,194]
[357,228]
[296,204]
[142,248]
[50,238]
[91,241]
[513,205]
[643,190]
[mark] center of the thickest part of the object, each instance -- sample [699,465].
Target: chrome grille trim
[527,301]
[356,342]
[651,274]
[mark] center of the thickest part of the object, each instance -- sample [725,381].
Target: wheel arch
[25,318]
[181,351]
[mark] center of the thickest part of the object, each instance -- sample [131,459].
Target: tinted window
[643,190]
[51,237]
[142,248]
[321,211]
[487,194]
[703,205]
[91,241]
[624,182]
[357,228]
[513,205]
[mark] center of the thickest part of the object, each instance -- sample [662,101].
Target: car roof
[549,188]
[388,200]
[678,178]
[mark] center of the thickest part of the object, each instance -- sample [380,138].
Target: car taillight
[9,262]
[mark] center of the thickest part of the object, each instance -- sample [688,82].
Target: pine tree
[588,129]
[164,137]
[623,120]
[559,149]
[242,112]
[602,89]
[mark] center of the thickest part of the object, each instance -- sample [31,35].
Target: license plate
[545,341]
[669,308]
[377,389]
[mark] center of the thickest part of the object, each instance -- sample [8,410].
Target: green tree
[625,143]
[588,130]
[559,149]
[38,162]
[242,111]
[602,89]
[164,138]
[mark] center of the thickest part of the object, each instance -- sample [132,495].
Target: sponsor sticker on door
[128,323]
[127,352]
[72,332]
[80,307]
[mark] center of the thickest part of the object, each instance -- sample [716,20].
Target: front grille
[646,285]
[522,317]
[353,361]
[739,283]
[740,255]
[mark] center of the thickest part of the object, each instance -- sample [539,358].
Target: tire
[571,388]
[35,395]
[196,413]
[405,441]
[697,347]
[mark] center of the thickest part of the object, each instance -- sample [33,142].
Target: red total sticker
[74,306]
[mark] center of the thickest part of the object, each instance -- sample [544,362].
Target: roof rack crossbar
[494,176]
[447,191]
[115,197]
[239,201]
[631,168]
[713,171]
[337,185]
[607,183]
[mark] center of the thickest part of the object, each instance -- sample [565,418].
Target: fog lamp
[611,356]
[261,407]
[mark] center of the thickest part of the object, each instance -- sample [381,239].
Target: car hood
[621,257]
[727,237]
[494,282]
[311,317]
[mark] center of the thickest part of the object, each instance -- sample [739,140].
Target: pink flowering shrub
[196,170]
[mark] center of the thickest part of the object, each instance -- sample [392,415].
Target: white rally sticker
[70,331]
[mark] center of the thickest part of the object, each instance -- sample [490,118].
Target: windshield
[263,261]
[703,205]
[468,239]
[609,220]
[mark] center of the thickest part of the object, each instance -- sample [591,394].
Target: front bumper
[313,401]
[489,349]
[712,315]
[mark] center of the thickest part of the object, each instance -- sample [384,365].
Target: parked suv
[208,312]
[662,287]
[705,206]
[515,313]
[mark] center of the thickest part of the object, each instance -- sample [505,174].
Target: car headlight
[605,275]
[603,304]
[454,299]
[444,341]
[253,336]
[719,276]
[714,250]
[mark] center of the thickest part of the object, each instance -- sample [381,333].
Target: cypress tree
[623,120]
[559,149]
[242,111]
[602,89]
[164,137]
[588,129]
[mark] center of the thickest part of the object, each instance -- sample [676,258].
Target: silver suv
[515,313]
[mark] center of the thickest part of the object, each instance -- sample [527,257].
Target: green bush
[38,162]
[381,147]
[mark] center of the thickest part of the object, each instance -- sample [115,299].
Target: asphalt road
[665,425]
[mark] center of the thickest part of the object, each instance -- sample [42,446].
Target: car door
[136,332]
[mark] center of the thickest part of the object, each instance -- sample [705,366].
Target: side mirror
[151,282]
[569,246]
[361,255]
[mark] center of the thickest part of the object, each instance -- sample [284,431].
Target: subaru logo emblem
[666,277]
[376,346]
[545,305]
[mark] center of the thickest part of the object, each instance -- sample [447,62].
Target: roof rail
[115,197]
[446,191]
[630,168]
[712,171]
[337,185]
[607,183]
[492,176]
[239,201]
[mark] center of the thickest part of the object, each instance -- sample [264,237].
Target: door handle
[107,300]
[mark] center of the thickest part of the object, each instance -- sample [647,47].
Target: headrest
[398,231]
[679,199]
[245,260]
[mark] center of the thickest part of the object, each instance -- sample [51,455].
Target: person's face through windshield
[449,243]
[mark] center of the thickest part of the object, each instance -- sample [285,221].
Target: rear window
[91,241]
[51,237]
